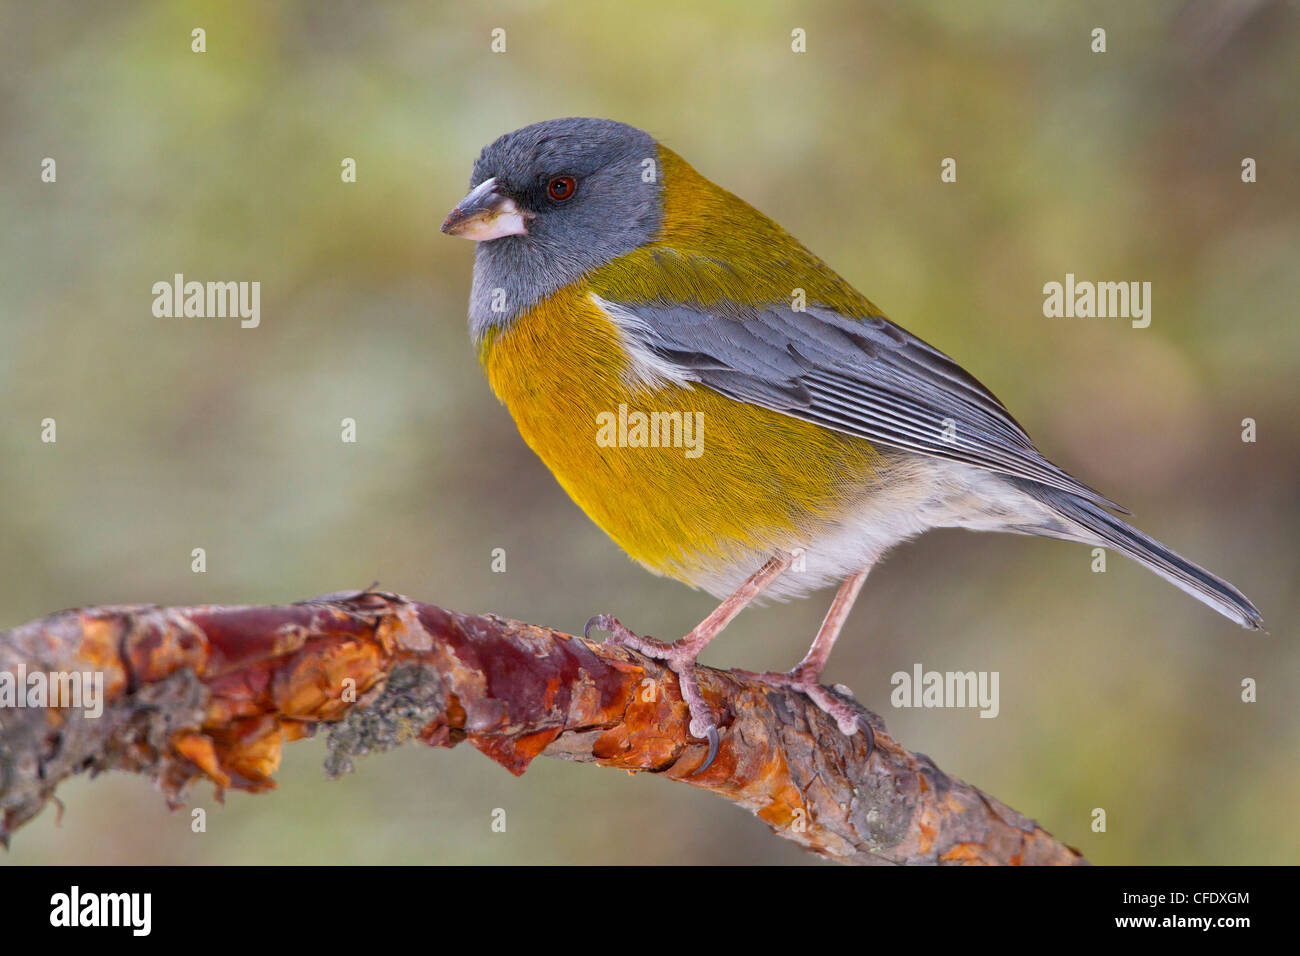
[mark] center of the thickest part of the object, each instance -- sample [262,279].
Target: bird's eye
[561,188]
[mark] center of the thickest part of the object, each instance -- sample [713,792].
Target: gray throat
[509,276]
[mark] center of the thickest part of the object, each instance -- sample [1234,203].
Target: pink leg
[814,662]
[806,676]
[680,656]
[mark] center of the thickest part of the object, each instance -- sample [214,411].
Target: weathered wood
[214,692]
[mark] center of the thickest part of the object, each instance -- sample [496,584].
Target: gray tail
[1093,525]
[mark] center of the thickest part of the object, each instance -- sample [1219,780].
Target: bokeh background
[1117,691]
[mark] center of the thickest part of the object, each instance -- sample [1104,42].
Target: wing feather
[866,377]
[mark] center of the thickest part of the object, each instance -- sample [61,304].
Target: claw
[714,741]
[870,733]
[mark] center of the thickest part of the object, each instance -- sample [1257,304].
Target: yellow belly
[740,484]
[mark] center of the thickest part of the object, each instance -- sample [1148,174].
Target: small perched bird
[725,406]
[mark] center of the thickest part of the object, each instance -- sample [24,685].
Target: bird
[728,409]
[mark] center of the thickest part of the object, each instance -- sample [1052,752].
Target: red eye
[561,188]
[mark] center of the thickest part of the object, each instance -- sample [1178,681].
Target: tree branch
[214,692]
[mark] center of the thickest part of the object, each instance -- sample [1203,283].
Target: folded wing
[862,376]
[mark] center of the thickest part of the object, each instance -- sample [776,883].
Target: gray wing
[866,377]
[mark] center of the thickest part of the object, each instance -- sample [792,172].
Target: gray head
[549,203]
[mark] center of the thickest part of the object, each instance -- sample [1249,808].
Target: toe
[849,722]
[601,622]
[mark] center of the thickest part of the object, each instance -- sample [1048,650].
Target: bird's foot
[681,661]
[847,716]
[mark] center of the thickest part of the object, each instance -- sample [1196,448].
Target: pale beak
[486,213]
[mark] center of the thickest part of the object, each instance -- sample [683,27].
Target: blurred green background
[1117,691]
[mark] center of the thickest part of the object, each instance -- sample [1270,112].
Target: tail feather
[1098,526]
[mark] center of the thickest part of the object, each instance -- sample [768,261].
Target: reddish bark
[214,692]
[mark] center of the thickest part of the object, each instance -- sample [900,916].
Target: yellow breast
[727,484]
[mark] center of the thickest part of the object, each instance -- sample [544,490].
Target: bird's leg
[680,656]
[806,675]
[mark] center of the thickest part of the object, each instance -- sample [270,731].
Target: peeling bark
[214,693]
